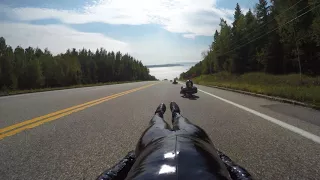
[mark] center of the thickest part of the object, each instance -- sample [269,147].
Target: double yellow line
[28,124]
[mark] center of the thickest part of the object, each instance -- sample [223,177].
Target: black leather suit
[183,152]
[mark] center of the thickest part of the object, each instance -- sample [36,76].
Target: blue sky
[153,31]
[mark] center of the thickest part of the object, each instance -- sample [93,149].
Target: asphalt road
[80,145]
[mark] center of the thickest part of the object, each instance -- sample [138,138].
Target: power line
[288,22]
[303,9]
[268,22]
[279,15]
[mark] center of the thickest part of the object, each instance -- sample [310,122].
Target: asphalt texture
[84,144]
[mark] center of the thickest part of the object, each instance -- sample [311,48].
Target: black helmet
[189,83]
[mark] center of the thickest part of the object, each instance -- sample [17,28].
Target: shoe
[174,108]
[161,109]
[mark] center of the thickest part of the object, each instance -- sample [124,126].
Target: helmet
[189,83]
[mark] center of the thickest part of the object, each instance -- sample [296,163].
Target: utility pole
[298,53]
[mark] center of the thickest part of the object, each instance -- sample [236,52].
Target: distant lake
[170,72]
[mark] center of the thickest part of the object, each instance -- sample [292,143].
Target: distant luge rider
[189,83]
[182,152]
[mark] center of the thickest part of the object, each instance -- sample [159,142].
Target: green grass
[285,86]
[13,92]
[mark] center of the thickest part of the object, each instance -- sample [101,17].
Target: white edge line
[299,131]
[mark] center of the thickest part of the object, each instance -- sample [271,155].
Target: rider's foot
[174,108]
[161,109]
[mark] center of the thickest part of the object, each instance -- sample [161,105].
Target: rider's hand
[120,170]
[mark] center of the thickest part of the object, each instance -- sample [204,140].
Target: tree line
[34,68]
[279,37]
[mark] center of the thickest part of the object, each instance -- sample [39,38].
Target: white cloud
[161,50]
[57,38]
[189,17]
[191,36]
[199,17]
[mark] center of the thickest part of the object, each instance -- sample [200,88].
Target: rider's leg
[184,126]
[158,128]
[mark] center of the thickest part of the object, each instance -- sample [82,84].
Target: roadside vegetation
[273,49]
[32,69]
[286,86]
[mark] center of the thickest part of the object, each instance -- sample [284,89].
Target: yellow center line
[16,128]
[58,112]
